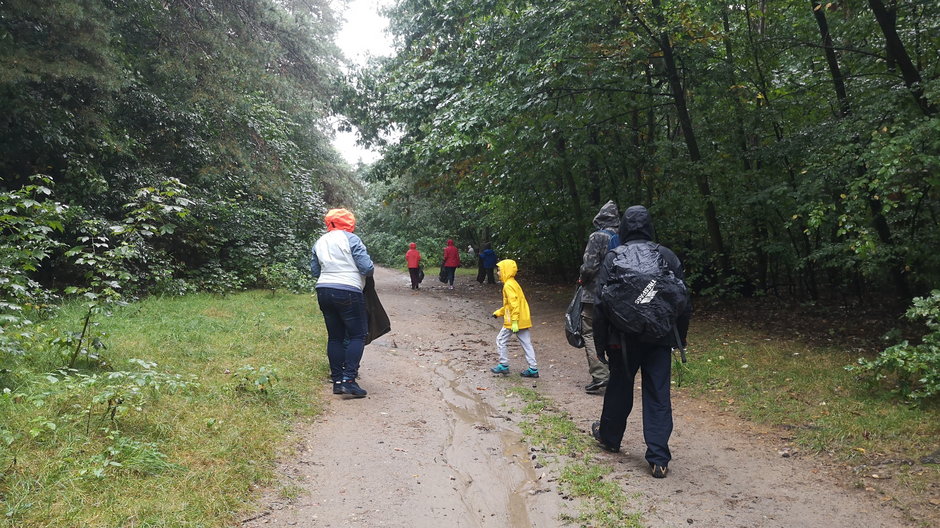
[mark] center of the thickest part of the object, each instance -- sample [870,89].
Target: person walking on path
[487,264]
[606,222]
[451,262]
[516,321]
[471,254]
[340,263]
[413,258]
[626,355]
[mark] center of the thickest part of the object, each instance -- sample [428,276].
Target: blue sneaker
[500,369]
[530,373]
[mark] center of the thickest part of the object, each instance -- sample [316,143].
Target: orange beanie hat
[340,219]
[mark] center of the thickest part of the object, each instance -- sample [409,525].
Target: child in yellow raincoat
[515,312]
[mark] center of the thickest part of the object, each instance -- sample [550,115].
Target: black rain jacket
[636,224]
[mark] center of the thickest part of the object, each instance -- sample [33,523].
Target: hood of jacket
[608,217]
[636,224]
[450,242]
[507,269]
[340,219]
[412,246]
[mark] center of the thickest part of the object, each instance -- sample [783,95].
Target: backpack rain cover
[642,296]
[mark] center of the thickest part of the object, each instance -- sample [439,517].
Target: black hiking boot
[596,433]
[595,387]
[658,471]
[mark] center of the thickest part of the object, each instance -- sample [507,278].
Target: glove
[495,316]
[515,326]
[601,356]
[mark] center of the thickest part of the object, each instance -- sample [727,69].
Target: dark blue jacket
[488,257]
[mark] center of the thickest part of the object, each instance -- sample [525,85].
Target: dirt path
[436,443]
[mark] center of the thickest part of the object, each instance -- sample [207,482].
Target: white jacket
[340,260]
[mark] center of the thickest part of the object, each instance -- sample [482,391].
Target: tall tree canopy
[782,146]
[227,98]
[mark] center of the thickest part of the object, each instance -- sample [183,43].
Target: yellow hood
[507,269]
[515,307]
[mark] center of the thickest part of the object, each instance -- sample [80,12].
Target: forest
[784,148]
[161,149]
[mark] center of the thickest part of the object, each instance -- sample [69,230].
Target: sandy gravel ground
[436,443]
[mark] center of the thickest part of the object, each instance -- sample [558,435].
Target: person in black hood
[626,354]
[606,222]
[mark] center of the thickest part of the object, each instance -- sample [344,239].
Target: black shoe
[353,389]
[596,433]
[595,386]
[658,471]
[337,387]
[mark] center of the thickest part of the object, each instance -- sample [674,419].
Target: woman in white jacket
[340,263]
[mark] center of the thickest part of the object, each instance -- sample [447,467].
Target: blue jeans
[344,313]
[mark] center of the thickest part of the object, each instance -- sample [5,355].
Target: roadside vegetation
[820,407]
[583,474]
[178,429]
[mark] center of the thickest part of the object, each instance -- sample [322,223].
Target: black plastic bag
[573,320]
[378,321]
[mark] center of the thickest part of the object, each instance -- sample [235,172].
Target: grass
[184,453]
[807,392]
[603,502]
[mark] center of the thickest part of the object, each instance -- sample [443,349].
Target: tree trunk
[688,133]
[561,147]
[887,21]
[880,223]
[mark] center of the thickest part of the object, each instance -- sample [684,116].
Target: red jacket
[451,255]
[413,256]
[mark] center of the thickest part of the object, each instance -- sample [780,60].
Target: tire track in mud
[436,442]
[425,448]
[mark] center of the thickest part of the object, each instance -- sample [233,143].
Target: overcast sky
[362,35]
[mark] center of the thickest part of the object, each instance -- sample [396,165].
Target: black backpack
[642,296]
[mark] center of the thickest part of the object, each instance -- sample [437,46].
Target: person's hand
[601,356]
[515,326]
[494,315]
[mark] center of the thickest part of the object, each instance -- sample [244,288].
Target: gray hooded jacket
[607,219]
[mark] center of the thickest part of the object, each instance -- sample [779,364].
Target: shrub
[915,369]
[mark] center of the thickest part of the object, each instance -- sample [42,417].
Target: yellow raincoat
[515,307]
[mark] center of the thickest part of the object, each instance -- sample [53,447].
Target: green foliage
[914,370]
[226,100]
[518,120]
[27,220]
[255,380]
[285,277]
[127,454]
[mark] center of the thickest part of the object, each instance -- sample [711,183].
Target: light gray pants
[598,370]
[524,337]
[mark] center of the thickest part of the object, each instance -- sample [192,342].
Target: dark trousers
[655,364]
[414,278]
[449,273]
[486,273]
[344,313]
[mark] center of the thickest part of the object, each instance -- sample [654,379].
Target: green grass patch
[806,391]
[182,438]
[603,501]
